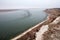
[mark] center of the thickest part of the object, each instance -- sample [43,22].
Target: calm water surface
[15,22]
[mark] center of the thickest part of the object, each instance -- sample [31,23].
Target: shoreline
[7,10]
[34,28]
[30,34]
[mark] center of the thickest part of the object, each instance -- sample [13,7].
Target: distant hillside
[5,10]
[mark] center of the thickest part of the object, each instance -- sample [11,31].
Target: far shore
[6,10]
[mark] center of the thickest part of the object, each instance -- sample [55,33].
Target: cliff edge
[50,31]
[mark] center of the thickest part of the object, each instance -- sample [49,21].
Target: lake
[13,23]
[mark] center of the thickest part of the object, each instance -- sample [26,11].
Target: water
[15,22]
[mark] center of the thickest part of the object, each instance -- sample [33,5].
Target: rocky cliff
[50,31]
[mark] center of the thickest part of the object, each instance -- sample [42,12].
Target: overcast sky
[29,4]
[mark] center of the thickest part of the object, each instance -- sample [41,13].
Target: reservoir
[13,23]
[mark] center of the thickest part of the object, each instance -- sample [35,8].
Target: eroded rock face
[51,32]
[43,29]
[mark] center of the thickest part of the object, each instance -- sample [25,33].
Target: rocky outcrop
[53,28]
[51,25]
[50,31]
